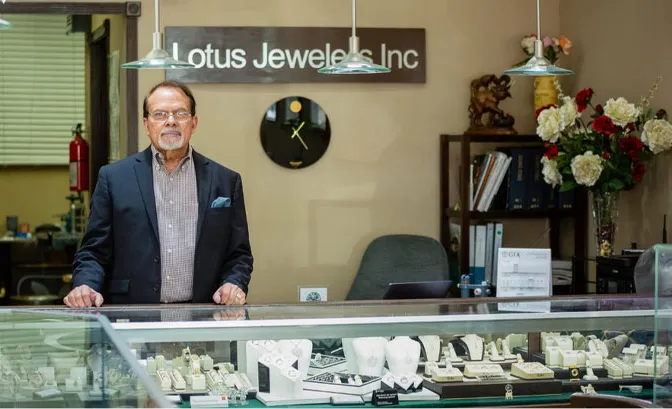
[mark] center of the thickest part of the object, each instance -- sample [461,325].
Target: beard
[171,140]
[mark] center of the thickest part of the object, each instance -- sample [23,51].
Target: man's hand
[83,296]
[229,294]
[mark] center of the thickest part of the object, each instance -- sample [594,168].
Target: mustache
[171,130]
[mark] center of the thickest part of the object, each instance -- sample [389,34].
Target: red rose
[603,125]
[600,109]
[536,115]
[638,170]
[631,146]
[551,152]
[583,98]
[606,155]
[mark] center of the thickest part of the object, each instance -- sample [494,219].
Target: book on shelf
[511,179]
[485,240]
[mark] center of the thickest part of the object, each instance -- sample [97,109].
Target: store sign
[291,54]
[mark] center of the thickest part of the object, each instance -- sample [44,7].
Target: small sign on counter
[524,273]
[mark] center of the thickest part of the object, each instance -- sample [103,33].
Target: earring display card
[342,383]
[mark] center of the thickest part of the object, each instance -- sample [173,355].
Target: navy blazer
[120,255]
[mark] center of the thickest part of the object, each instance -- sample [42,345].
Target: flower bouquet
[553,47]
[605,154]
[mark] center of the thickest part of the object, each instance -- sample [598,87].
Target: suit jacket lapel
[143,172]
[204,186]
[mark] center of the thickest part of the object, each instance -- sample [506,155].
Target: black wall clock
[295,132]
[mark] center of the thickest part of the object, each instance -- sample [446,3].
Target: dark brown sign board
[291,54]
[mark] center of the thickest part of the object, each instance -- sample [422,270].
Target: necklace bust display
[431,345]
[473,345]
[370,355]
[403,356]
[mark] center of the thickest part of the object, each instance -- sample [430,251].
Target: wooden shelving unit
[555,216]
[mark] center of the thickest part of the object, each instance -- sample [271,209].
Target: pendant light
[157,57]
[354,62]
[538,65]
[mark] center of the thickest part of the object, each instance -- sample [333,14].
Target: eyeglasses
[162,116]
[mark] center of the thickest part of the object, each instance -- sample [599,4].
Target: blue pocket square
[221,202]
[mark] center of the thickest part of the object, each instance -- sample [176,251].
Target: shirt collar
[159,159]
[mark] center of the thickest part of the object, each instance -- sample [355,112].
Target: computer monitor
[418,290]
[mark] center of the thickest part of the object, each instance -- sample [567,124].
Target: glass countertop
[359,309]
[191,322]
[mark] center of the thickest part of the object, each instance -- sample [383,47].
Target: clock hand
[296,133]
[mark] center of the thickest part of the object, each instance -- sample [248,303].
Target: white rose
[587,168]
[569,111]
[552,175]
[621,111]
[548,125]
[528,44]
[657,135]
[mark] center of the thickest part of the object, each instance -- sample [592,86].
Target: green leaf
[567,185]
[615,184]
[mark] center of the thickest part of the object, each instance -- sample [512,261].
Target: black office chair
[398,258]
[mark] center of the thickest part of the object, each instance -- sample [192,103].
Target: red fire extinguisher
[79,162]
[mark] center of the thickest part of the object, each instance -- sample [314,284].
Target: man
[167,225]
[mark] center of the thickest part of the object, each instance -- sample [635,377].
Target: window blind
[42,89]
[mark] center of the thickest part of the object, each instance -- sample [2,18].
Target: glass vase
[605,214]
[545,92]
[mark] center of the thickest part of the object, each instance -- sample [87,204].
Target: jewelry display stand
[473,346]
[531,370]
[369,354]
[506,351]
[447,374]
[404,384]
[402,355]
[279,374]
[431,347]
[450,355]
[345,383]
[494,355]
[590,375]
[320,364]
[248,357]
[349,354]
[302,349]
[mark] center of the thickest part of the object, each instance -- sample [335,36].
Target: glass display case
[654,273]
[69,360]
[465,352]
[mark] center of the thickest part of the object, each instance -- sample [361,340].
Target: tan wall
[620,49]
[381,172]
